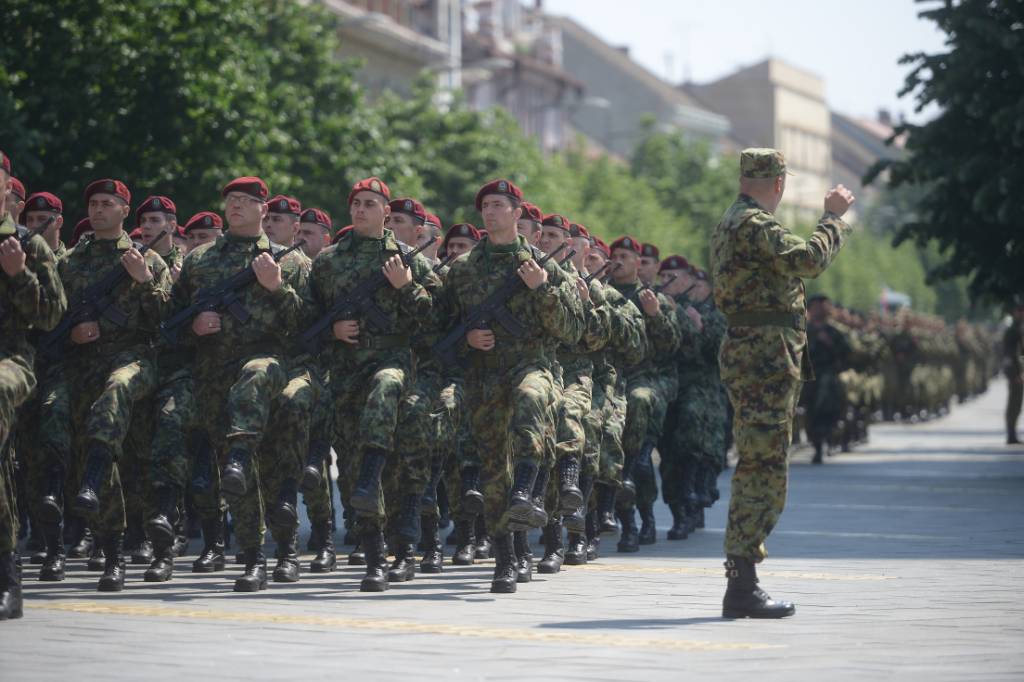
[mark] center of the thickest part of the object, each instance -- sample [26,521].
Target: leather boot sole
[373,585]
[503,587]
[323,566]
[109,585]
[209,568]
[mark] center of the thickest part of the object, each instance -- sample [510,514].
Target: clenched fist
[838,200]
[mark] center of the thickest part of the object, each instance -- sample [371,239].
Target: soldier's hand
[12,258]
[135,263]
[583,288]
[649,303]
[268,272]
[347,331]
[397,273]
[85,332]
[532,274]
[838,200]
[694,316]
[206,323]
[481,339]
[175,272]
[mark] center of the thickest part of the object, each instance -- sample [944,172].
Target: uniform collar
[260,243]
[7,226]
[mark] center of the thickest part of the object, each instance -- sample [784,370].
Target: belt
[767,318]
[384,341]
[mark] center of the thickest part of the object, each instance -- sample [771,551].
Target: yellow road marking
[573,637]
[689,570]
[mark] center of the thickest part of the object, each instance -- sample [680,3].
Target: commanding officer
[509,382]
[757,267]
[31,297]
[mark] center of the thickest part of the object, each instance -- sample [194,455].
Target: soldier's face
[15,205]
[499,214]
[198,237]
[281,228]
[648,269]
[628,262]
[154,222]
[106,213]
[369,212]
[676,286]
[316,238]
[529,230]
[459,245]
[35,219]
[594,260]
[404,226]
[551,238]
[244,211]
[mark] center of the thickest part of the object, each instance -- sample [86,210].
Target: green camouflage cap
[761,162]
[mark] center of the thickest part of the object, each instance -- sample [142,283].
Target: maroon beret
[577,230]
[371,184]
[505,187]
[17,188]
[44,201]
[626,242]
[204,220]
[650,251]
[5,162]
[317,216]
[434,220]
[602,247]
[81,228]
[155,204]
[556,220]
[135,234]
[108,186]
[531,212]
[341,234]
[410,207]
[674,263]
[462,230]
[248,184]
[285,205]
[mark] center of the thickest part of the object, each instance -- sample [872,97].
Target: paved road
[904,560]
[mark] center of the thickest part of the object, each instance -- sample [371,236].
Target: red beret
[462,230]
[248,184]
[531,212]
[17,188]
[434,220]
[650,251]
[410,207]
[698,273]
[577,230]
[602,247]
[5,162]
[505,187]
[317,216]
[371,184]
[155,204]
[626,242]
[556,220]
[44,201]
[204,220]
[674,263]
[284,205]
[136,234]
[81,228]
[108,186]
[341,234]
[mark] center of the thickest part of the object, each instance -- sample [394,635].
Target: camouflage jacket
[757,264]
[551,314]
[31,300]
[144,305]
[174,257]
[698,361]
[275,315]
[341,267]
[596,323]
[663,331]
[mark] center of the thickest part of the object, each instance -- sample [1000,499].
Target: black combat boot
[285,513]
[138,548]
[211,558]
[648,529]
[465,552]
[570,489]
[744,599]
[376,578]
[606,497]
[160,526]
[234,478]
[325,559]
[711,484]
[680,529]
[554,551]
[629,540]
[312,473]
[97,469]
[433,554]
[576,551]
[643,467]
[403,568]
[506,573]
[202,465]
[51,509]
[524,557]
[83,543]
[576,521]
[10,587]
[472,498]
[97,557]
[539,515]
[36,544]
[53,565]
[520,502]
[366,494]
[429,500]
[690,498]
[626,492]
[593,537]
[357,557]
[254,578]
[287,568]
[407,525]
[180,545]
[112,579]
[483,539]
[162,568]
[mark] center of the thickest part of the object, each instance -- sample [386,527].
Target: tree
[966,163]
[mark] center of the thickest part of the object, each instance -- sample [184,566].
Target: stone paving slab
[904,560]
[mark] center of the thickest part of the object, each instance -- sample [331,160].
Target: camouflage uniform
[829,351]
[757,268]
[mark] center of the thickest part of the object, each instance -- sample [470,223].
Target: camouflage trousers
[461,450]
[694,435]
[512,420]
[8,501]
[175,424]
[43,438]
[612,398]
[234,402]
[762,373]
[17,382]
[574,404]
[105,395]
[645,407]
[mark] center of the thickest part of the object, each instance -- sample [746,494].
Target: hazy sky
[854,45]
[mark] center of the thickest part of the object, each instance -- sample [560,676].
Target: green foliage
[966,163]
